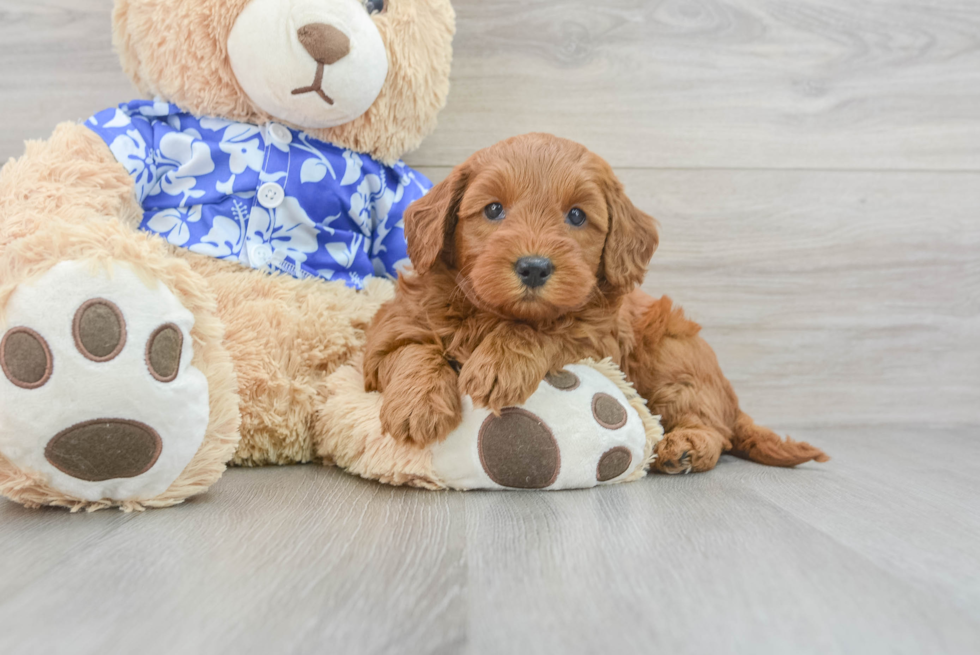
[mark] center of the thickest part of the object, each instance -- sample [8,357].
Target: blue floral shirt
[266,196]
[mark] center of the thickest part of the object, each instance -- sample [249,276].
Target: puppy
[527,258]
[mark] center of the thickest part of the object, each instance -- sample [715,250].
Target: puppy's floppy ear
[630,243]
[430,222]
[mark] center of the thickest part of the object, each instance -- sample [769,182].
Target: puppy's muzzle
[534,272]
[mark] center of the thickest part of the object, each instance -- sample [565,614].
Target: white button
[271,195]
[260,255]
[280,133]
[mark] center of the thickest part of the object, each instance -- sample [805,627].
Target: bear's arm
[72,175]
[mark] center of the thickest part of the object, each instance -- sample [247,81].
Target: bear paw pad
[578,430]
[98,393]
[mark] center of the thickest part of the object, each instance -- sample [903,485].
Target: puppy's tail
[760,444]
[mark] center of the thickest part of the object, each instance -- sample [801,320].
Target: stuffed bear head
[368,75]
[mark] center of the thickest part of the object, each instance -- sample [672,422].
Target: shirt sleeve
[130,138]
[389,248]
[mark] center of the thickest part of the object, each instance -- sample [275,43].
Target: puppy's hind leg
[678,373]
[691,446]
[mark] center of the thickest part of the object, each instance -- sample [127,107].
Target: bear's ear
[630,243]
[430,222]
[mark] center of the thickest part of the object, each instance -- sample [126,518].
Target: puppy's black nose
[534,272]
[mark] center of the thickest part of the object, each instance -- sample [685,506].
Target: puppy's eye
[375,6]
[577,217]
[494,211]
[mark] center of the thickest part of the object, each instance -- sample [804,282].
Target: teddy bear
[186,280]
[180,275]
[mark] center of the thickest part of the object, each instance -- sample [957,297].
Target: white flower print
[354,165]
[197,179]
[325,223]
[315,168]
[346,254]
[224,239]
[156,109]
[227,235]
[118,120]
[243,144]
[387,199]
[215,124]
[267,176]
[183,159]
[131,151]
[362,203]
[227,187]
[288,227]
[172,223]
[371,207]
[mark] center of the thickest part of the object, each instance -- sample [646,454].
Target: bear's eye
[577,217]
[494,211]
[375,6]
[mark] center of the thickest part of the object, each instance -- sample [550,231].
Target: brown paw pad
[613,464]
[163,351]
[518,450]
[26,358]
[105,449]
[99,330]
[563,380]
[608,412]
[108,406]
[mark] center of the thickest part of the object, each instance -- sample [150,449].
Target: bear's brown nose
[325,43]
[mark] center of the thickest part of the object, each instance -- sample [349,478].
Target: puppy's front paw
[498,383]
[422,412]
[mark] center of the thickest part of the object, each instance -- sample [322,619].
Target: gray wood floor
[816,168]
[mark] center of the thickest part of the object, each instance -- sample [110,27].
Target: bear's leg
[348,433]
[116,388]
[286,336]
[319,329]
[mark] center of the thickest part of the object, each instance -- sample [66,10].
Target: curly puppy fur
[466,323]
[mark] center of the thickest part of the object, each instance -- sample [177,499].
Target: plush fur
[466,308]
[55,205]
[265,343]
[178,51]
[353,436]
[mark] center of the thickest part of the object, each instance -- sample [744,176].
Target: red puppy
[527,258]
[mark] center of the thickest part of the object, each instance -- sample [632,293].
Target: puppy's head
[534,228]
